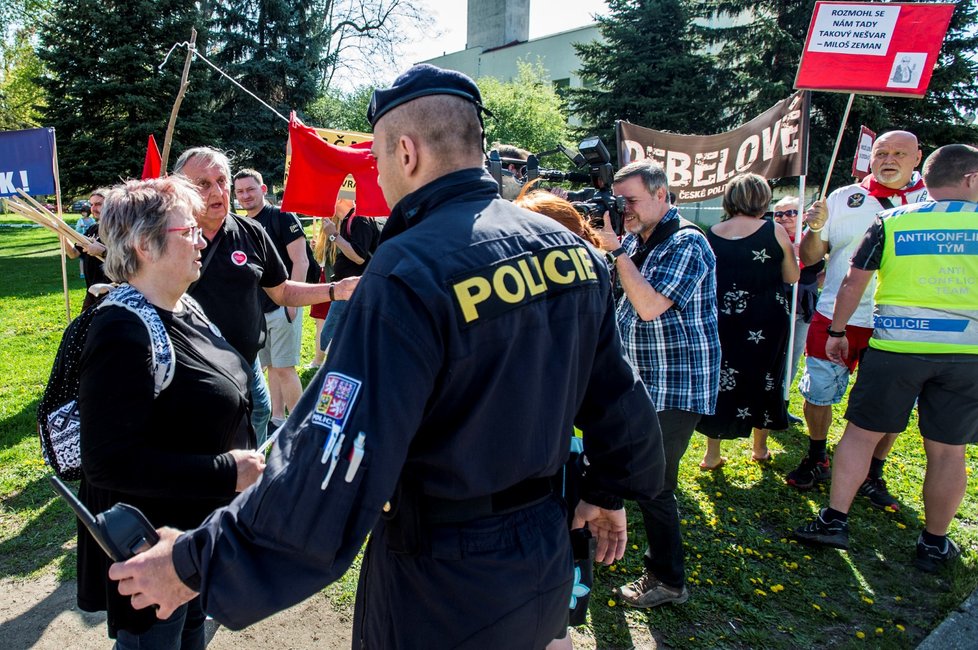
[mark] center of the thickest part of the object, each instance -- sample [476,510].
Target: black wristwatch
[836,335]
[614,255]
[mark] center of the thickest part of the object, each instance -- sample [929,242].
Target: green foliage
[343,111]
[20,96]
[652,71]
[104,93]
[760,55]
[527,111]
[273,48]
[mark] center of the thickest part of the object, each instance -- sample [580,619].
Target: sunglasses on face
[785,214]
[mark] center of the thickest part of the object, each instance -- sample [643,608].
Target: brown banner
[774,145]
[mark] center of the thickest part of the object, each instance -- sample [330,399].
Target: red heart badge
[239,258]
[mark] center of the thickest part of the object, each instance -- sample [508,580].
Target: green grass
[751,587]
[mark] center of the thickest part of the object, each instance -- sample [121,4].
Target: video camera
[592,202]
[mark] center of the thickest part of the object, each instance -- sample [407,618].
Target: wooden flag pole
[838,143]
[184,83]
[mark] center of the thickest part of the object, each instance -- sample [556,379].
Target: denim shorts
[824,383]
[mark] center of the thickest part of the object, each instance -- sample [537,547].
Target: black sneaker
[819,532]
[875,490]
[794,419]
[932,558]
[809,473]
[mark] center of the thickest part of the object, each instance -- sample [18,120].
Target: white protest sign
[853,28]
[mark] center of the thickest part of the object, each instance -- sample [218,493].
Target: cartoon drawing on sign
[907,69]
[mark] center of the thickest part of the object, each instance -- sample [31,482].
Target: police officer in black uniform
[478,336]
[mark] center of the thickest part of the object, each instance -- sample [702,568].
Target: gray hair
[653,176]
[138,212]
[209,155]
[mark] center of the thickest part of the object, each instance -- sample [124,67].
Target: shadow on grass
[16,428]
[50,527]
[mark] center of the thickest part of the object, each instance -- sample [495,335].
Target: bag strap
[128,297]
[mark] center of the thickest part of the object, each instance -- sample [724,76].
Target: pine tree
[761,52]
[273,48]
[652,71]
[103,90]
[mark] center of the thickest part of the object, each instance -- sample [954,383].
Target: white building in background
[497,36]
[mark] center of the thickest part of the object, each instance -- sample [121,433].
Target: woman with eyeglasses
[177,455]
[786,214]
[754,260]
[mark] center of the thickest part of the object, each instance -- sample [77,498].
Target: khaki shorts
[283,340]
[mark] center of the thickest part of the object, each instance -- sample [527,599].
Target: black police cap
[420,81]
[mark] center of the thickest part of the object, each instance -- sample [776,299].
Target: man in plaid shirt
[668,323]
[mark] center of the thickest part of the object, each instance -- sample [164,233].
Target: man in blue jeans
[668,323]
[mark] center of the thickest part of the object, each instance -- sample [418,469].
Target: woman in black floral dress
[754,260]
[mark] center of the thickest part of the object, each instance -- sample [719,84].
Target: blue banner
[927,324]
[936,242]
[27,162]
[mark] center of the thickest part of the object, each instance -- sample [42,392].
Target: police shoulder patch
[512,283]
[336,400]
[856,200]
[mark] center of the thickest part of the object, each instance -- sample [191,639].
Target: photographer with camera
[668,323]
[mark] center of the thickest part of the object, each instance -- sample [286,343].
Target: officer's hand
[606,236]
[150,579]
[343,289]
[609,527]
[816,215]
[837,350]
[250,464]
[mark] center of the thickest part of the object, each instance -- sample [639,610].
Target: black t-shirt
[244,261]
[284,228]
[364,238]
[869,255]
[166,456]
[93,266]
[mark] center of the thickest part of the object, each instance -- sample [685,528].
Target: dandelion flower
[760,592]
[860,634]
[611,603]
[817,608]
[900,627]
[879,631]
[868,600]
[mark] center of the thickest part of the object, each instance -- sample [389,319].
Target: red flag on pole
[153,160]
[318,169]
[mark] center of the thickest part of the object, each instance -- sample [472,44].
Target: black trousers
[499,582]
[664,556]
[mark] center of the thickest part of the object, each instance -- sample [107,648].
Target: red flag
[153,160]
[317,171]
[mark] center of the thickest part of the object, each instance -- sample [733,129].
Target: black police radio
[121,531]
